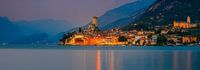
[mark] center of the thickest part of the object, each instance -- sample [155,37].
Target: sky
[78,12]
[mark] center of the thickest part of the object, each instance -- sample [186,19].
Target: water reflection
[181,59]
[156,60]
[175,60]
[189,57]
[109,60]
[112,60]
[99,60]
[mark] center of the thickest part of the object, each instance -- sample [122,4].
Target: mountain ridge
[164,12]
[19,31]
[129,10]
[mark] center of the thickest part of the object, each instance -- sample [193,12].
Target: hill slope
[28,32]
[8,31]
[163,12]
[123,15]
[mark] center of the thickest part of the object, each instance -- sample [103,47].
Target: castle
[92,36]
[183,24]
[93,27]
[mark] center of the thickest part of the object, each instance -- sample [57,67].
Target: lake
[137,58]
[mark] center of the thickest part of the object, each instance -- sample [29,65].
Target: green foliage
[138,26]
[67,36]
[137,42]
[187,43]
[171,41]
[162,40]
[80,29]
[150,36]
[122,39]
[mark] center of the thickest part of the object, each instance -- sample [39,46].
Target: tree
[67,35]
[172,42]
[150,36]
[122,39]
[162,40]
[80,29]
[137,42]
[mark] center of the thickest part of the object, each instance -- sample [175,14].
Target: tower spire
[188,19]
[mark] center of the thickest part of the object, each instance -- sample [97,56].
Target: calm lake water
[101,59]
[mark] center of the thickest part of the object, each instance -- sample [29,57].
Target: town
[177,34]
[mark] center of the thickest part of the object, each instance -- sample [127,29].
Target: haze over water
[100,59]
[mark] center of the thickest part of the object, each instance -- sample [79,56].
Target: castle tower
[93,27]
[95,20]
[188,19]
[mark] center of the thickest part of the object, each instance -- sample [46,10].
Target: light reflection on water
[57,59]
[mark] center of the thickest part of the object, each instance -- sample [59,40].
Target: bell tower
[188,19]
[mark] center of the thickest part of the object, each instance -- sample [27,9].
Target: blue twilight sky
[74,11]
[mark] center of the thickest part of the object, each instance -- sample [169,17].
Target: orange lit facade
[189,39]
[98,60]
[97,40]
[182,24]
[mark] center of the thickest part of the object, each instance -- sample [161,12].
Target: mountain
[56,38]
[49,26]
[41,38]
[52,28]
[164,12]
[28,32]
[8,31]
[123,15]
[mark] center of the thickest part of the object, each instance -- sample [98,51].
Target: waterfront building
[92,36]
[154,39]
[140,40]
[189,39]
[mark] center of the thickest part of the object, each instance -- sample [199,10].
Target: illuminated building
[92,36]
[189,39]
[183,24]
[100,41]
[140,40]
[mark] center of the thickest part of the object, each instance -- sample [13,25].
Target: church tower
[188,19]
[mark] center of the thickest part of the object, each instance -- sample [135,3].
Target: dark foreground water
[101,59]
